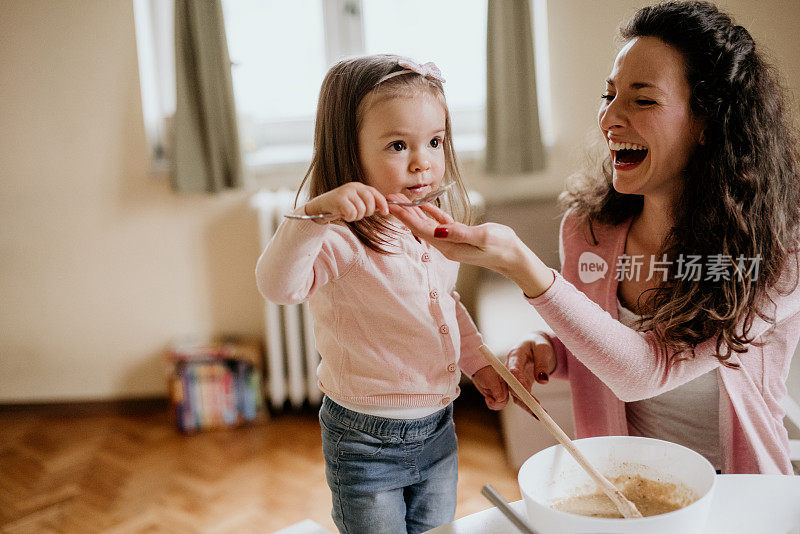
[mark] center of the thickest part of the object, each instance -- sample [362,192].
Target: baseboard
[138,406]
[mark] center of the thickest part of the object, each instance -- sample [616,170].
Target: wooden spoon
[625,507]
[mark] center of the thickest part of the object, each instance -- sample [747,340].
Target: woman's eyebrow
[636,85]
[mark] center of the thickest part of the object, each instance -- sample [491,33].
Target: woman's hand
[492,387]
[489,245]
[350,202]
[532,360]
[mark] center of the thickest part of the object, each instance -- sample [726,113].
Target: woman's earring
[702,139]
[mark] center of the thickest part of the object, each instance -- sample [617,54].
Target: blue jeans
[389,475]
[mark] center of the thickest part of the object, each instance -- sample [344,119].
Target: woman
[702,172]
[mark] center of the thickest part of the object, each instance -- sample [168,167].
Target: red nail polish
[542,377]
[441,232]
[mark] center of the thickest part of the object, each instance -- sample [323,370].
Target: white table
[743,504]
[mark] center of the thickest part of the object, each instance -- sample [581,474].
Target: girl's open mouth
[418,188]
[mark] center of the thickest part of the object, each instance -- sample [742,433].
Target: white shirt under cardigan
[687,415]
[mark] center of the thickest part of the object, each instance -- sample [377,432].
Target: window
[154,40]
[278,52]
[281,49]
[276,94]
[451,33]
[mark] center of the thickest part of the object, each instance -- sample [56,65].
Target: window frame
[344,36]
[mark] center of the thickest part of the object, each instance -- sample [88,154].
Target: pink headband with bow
[428,70]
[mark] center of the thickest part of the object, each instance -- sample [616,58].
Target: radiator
[291,353]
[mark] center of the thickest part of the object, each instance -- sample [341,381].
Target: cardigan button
[434,295]
[444,329]
[451,368]
[445,401]
[426,257]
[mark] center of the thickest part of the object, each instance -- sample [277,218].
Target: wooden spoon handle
[626,507]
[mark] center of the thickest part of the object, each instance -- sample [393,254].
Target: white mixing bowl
[552,475]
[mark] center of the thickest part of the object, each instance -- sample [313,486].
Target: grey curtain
[206,142]
[513,138]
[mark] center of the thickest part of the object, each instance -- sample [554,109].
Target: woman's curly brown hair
[743,198]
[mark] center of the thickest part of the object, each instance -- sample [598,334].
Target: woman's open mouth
[627,156]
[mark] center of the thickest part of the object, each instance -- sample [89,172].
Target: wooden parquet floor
[135,473]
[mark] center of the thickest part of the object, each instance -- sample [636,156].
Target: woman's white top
[687,415]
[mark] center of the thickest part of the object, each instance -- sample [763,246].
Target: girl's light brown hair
[340,112]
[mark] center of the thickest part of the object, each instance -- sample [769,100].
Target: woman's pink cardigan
[608,364]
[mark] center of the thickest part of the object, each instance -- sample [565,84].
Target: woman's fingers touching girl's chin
[414,218]
[437,213]
[428,221]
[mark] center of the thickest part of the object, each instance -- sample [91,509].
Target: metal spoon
[433,195]
[497,500]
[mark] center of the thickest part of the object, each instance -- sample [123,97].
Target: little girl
[388,323]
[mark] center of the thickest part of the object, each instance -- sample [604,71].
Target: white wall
[101,264]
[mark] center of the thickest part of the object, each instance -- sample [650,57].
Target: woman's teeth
[627,155]
[613,145]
